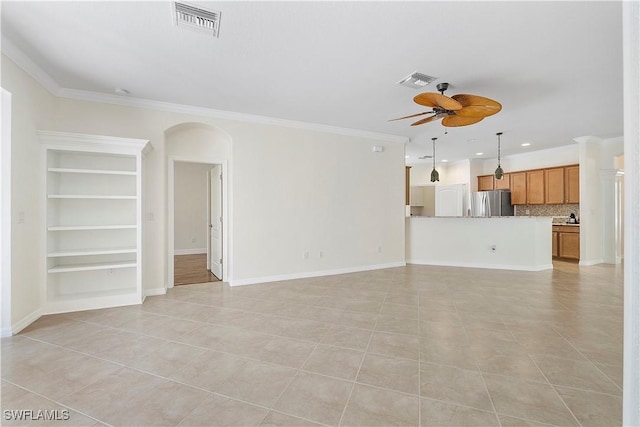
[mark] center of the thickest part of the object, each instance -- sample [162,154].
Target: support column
[611,186]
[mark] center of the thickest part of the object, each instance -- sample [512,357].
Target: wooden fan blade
[427,120]
[413,115]
[476,106]
[432,99]
[454,121]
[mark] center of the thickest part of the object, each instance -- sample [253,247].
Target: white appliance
[450,200]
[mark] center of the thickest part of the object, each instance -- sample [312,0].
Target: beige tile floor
[417,345]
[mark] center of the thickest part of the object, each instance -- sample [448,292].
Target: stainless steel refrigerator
[491,203]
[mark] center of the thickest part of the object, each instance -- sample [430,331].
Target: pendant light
[435,176]
[499,172]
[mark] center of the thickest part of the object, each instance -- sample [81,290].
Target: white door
[450,200]
[215,220]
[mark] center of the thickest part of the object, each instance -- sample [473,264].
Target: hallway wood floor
[190,269]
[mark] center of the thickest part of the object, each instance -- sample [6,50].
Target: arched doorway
[200,144]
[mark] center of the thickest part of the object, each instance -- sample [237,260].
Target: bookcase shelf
[94,220]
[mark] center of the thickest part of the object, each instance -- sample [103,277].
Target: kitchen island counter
[511,243]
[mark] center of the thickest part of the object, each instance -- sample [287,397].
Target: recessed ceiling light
[121,91]
[525,144]
[444,160]
[471,140]
[406,157]
[479,154]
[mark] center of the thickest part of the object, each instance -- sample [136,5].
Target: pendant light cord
[499,133]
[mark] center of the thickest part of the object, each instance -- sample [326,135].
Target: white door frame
[5,213]
[210,200]
[171,216]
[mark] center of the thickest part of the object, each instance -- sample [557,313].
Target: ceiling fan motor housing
[442,87]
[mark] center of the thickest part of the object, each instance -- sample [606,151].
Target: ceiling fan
[459,110]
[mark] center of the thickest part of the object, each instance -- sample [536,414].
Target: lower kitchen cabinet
[565,241]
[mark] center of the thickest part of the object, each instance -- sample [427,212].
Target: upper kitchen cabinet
[554,186]
[488,182]
[504,183]
[535,187]
[527,187]
[485,183]
[572,184]
[519,188]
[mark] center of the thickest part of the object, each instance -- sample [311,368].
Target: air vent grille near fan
[416,80]
[197,18]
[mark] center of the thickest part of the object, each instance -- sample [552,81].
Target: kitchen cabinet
[535,187]
[554,191]
[572,184]
[485,183]
[566,241]
[489,182]
[519,188]
[504,183]
[450,200]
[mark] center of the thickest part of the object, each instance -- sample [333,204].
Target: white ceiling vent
[197,18]
[416,80]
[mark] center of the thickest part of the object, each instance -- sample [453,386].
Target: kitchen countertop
[486,217]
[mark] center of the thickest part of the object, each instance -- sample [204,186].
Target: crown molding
[128,101]
[31,68]
[41,76]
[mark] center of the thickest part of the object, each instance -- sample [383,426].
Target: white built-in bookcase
[94,221]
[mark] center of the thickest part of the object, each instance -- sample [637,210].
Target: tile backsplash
[559,212]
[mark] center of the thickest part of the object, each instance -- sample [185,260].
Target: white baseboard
[25,321]
[306,275]
[154,292]
[5,332]
[195,251]
[591,262]
[541,267]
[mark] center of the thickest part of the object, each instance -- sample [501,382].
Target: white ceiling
[556,67]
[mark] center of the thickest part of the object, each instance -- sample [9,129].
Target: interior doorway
[196,221]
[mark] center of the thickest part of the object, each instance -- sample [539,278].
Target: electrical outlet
[305,255]
[379,249]
[527,211]
[193,240]
[150,216]
[321,254]
[21,217]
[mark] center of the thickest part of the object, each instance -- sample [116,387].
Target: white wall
[292,190]
[520,243]
[190,207]
[631,48]
[305,191]
[5,216]
[32,109]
